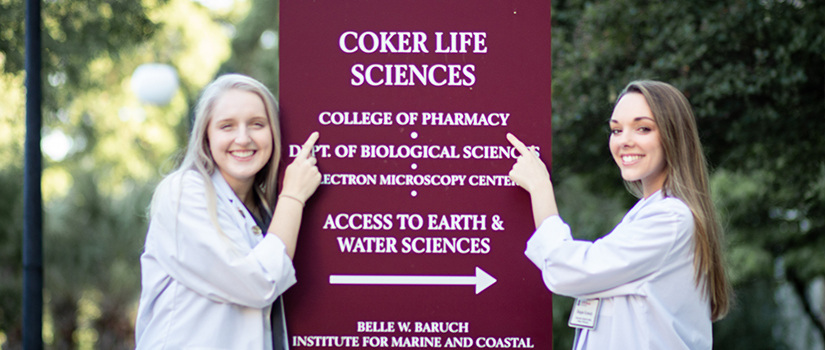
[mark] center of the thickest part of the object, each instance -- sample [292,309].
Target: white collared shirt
[643,271]
[202,288]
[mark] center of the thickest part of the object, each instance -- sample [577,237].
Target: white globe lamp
[155,83]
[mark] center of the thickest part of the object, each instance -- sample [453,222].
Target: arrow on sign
[481,280]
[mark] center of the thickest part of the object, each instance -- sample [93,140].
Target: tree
[755,74]
[73,34]
[11,258]
[95,193]
[255,47]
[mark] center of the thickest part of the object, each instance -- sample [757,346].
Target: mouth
[631,158]
[242,153]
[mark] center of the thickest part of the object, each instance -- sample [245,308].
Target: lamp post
[155,83]
[32,194]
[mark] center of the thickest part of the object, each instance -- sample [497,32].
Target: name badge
[585,313]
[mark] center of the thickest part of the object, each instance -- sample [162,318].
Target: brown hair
[687,179]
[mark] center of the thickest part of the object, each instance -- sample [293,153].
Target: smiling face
[240,138]
[635,143]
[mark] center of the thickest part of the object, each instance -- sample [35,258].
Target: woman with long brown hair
[657,281]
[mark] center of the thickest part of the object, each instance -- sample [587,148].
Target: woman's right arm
[531,174]
[183,240]
[657,239]
[301,179]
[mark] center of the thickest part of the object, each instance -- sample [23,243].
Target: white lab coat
[203,289]
[642,271]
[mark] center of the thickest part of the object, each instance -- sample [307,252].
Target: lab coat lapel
[241,216]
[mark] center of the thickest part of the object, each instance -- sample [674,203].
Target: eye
[258,123]
[615,131]
[644,129]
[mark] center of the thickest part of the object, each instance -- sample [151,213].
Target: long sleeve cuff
[271,253]
[549,235]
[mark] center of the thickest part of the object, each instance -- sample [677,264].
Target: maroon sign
[416,236]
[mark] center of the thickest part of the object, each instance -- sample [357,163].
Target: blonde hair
[687,179]
[198,156]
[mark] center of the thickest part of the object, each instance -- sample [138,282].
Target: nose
[623,140]
[628,142]
[243,138]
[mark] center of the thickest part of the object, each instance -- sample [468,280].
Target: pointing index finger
[518,144]
[306,148]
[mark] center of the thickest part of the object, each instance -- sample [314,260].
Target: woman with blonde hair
[221,235]
[657,281]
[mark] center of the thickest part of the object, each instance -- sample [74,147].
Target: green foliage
[248,55]
[72,33]
[753,328]
[93,243]
[11,257]
[95,197]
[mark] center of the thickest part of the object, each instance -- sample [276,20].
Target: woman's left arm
[301,179]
